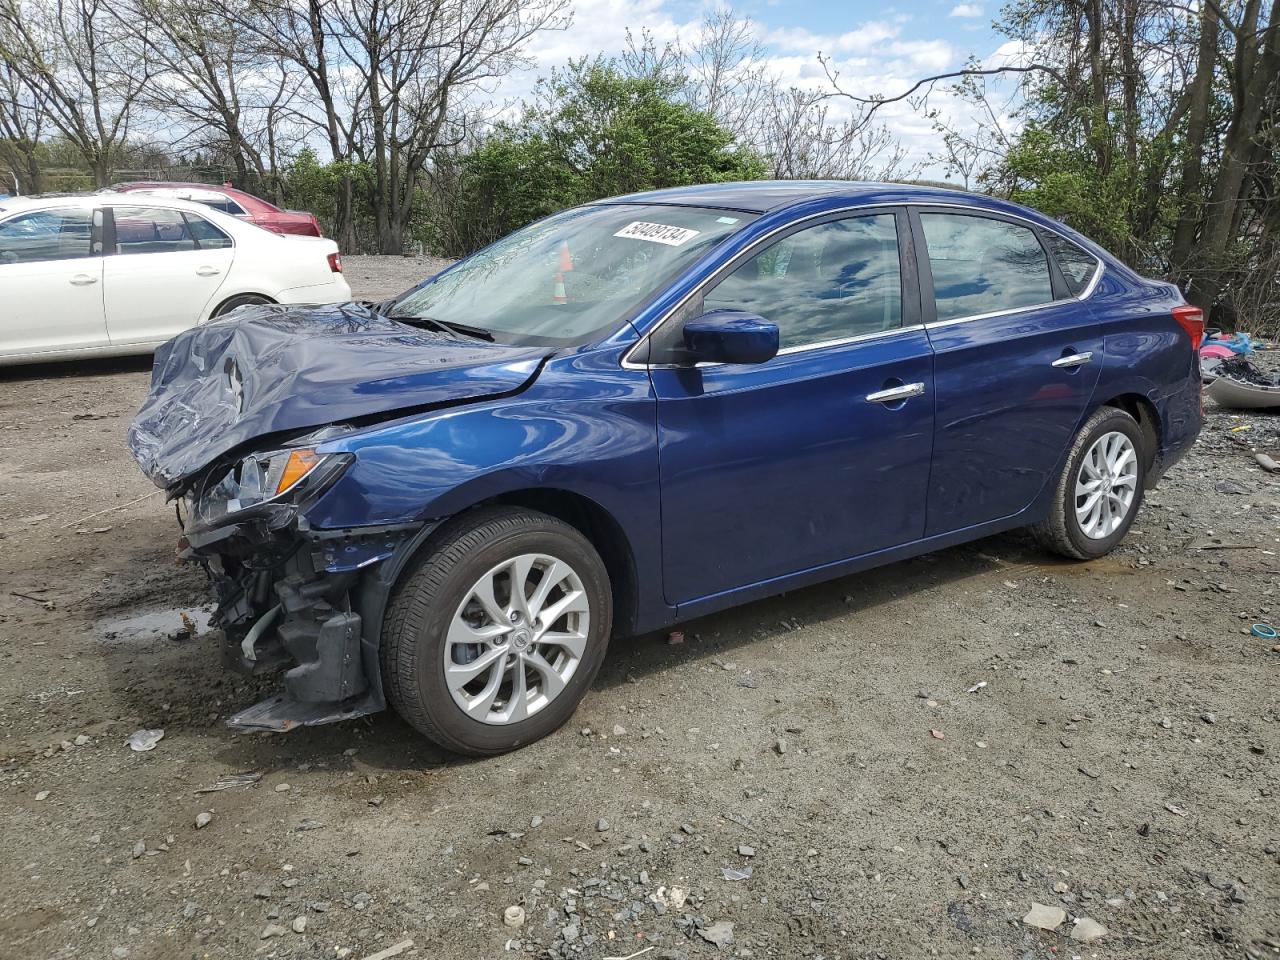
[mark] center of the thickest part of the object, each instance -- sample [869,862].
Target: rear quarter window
[1077,264]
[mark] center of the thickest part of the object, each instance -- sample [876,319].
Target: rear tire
[241,300]
[473,666]
[1100,489]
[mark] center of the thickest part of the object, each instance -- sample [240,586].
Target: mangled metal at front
[235,428]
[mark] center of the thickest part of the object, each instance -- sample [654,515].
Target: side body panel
[1149,355]
[51,306]
[1004,413]
[774,469]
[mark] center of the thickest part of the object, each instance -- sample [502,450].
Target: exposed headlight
[261,478]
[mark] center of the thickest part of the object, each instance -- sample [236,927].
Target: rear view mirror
[730,336]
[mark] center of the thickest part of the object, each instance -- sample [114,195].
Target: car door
[819,454]
[51,281]
[1017,355]
[165,268]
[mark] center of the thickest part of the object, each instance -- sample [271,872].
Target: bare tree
[803,140]
[727,78]
[69,55]
[390,78]
[22,124]
[213,82]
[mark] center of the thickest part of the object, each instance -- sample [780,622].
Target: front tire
[1100,489]
[495,633]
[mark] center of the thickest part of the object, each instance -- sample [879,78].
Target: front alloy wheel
[497,630]
[517,639]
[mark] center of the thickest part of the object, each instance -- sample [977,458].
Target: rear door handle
[1073,360]
[83,280]
[894,394]
[207,271]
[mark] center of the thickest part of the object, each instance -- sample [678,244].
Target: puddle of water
[153,625]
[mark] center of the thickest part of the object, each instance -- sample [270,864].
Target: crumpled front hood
[269,369]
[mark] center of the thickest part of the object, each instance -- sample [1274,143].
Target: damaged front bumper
[303,603]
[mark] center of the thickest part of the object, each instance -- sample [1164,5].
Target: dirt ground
[1119,763]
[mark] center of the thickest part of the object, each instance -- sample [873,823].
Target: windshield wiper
[454,329]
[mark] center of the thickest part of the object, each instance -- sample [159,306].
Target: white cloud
[967,11]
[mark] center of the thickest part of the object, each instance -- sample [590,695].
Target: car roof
[87,200]
[764,196]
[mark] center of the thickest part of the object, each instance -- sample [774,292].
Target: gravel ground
[1118,765]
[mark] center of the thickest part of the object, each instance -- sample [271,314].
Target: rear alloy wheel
[496,633]
[1100,489]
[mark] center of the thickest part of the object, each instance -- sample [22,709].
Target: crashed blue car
[641,411]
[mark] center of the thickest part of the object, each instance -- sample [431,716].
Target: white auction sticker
[657,233]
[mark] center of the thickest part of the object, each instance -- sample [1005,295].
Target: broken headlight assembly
[277,477]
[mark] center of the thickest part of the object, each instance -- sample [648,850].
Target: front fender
[586,426]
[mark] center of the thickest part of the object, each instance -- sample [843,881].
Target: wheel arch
[217,310]
[582,513]
[1148,417]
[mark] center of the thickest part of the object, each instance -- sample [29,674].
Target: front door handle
[83,280]
[896,394]
[1073,360]
[207,271]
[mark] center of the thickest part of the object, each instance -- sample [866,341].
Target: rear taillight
[1190,319]
[335,263]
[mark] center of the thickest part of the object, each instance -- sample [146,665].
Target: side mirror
[730,336]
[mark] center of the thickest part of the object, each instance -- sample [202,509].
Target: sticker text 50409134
[657,233]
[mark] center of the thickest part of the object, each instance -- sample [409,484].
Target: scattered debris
[1044,918]
[42,795]
[675,638]
[1266,463]
[632,956]
[203,819]
[513,916]
[393,951]
[937,734]
[734,874]
[720,933]
[140,741]
[232,780]
[1087,930]
[977,686]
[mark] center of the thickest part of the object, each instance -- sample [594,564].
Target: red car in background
[235,202]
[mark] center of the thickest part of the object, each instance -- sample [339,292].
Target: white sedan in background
[108,274]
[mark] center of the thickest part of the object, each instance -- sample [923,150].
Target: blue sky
[879,49]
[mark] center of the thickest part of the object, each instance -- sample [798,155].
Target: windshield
[572,276]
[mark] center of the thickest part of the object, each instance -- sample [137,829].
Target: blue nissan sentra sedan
[640,411]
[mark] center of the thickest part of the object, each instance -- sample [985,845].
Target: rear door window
[47,235]
[981,265]
[161,230]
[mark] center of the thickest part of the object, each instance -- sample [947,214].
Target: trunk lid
[274,369]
